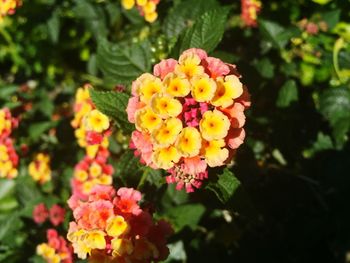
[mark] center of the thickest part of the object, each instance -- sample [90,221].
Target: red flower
[57,214]
[40,213]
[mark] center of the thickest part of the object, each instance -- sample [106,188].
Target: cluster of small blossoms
[8,155]
[112,227]
[55,214]
[188,114]
[91,126]
[39,169]
[312,28]
[56,250]
[92,132]
[249,12]
[90,172]
[8,7]
[147,8]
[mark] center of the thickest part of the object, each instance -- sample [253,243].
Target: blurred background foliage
[289,201]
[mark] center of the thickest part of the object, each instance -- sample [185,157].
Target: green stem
[143,178]
[339,44]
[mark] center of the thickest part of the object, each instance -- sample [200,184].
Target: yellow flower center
[214,125]
[189,142]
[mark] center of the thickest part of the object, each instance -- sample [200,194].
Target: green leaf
[37,129]
[207,31]
[184,15]
[335,104]
[265,68]
[275,33]
[322,143]
[127,165]
[7,187]
[113,104]
[177,252]
[7,91]
[331,18]
[226,186]
[335,107]
[93,16]
[185,215]
[307,73]
[122,63]
[287,94]
[53,26]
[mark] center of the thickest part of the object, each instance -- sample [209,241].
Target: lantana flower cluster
[56,250]
[112,227]
[90,172]
[55,214]
[8,155]
[91,126]
[40,169]
[250,10]
[8,7]
[92,132]
[147,8]
[189,114]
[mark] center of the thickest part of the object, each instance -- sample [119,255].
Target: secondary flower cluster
[92,132]
[90,172]
[56,214]
[188,114]
[39,168]
[250,10]
[112,227]
[147,8]
[8,7]
[8,155]
[56,250]
[91,126]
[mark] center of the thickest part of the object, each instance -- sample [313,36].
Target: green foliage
[206,32]
[287,94]
[122,63]
[113,104]
[225,186]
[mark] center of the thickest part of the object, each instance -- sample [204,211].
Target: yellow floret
[128,4]
[189,65]
[214,125]
[176,86]
[121,246]
[214,153]
[116,226]
[96,121]
[146,86]
[165,106]
[151,16]
[105,179]
[166,157]
[189,142]
[167,133]
[95,239]
[147,120]
[227,90]
[141,2]
[81,175]
[95,170]
[203,89]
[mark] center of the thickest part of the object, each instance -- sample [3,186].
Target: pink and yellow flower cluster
[112,227]
[8,7]
[147,8]
[90,172]
[92,132]
[8,155]
[91,126]
[250,10]
[189,114]
[56,250]
[39,169]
